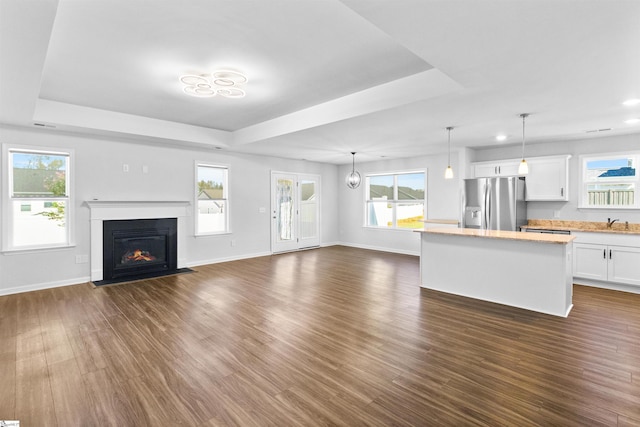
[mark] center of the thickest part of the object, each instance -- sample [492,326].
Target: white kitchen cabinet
[495,168]
[607,263]
[548,179]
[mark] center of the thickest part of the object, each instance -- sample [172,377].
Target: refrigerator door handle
[487,205]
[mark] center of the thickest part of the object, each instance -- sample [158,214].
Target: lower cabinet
[610,263]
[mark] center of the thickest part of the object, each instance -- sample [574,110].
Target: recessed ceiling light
[632,121]
[223,82]
[501,137]
[631,102]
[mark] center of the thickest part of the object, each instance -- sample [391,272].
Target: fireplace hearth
[138,248]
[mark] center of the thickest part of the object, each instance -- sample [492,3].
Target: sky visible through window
[608,164]
[207,173]
[27,160]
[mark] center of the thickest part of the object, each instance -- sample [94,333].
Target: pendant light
[448,173]
[523,169]
[353,179]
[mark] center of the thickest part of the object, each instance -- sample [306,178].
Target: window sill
[35,250]
[221,233]
[610,208]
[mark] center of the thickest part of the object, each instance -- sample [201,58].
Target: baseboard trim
[381,249]
[45,285]
[226,259]
[607,285]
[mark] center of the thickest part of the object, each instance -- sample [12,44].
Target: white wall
[99,175]
[443,202]
[569,210]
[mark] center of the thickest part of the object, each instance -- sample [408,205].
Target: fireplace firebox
[139,248]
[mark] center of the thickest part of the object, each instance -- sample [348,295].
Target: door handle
[562,191]
[609,253]
[604,253]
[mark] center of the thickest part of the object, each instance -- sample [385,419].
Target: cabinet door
[548,179]
[493,169]
[508,168]
[590,261]
[485,170]
[624,265]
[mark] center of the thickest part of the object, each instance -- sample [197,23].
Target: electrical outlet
[556,214]
[262,210]
[82,259]
[145,169]
[125,167]
[233,242]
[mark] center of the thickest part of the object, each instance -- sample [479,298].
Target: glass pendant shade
[353,178]
[448,173]
[523,168]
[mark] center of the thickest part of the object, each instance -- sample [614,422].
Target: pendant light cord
[353,163]
[523,117]
[449,146]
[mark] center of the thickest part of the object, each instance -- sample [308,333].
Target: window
[395,201]
[212,213]
[610,181]
[37,198]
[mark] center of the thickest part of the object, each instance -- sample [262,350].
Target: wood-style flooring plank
[330,336]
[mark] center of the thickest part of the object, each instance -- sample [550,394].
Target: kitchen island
[527,270]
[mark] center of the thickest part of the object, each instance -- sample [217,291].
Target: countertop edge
[500,234]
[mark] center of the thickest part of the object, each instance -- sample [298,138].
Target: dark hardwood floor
[331,336]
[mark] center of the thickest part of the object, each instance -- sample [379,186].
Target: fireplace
[139,248]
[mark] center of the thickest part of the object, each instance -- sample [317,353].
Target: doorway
[295,211]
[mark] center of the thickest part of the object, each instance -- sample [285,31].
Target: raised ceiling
[383,78]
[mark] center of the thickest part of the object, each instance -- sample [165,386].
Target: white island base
[526,270]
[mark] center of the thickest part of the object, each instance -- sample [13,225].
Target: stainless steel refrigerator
[494,203]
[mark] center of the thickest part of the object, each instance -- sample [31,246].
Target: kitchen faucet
[610,222]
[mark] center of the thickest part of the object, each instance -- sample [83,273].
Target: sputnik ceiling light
[448,173]
[523,169]
[353,178]
[222,82]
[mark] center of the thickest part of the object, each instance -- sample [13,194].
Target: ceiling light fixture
[353,179]
[501,138]
[632,121]
[448,173]
[631,102]
[523,169]
[223,82]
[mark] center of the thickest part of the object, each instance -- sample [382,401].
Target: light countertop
[583,226]
[501,234]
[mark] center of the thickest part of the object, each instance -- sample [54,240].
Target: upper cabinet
[548,178]
[495,168]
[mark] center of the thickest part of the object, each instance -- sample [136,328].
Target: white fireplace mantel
[107,210]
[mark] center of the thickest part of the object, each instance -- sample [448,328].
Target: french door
[295,211]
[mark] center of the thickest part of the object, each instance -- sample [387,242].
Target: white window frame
[225,198]
[395,201]
[583,185]
[7,199]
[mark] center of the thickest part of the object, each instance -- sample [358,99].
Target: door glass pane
[379,214]
[284,208]
[411,186]
[410,215]
[308,210]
